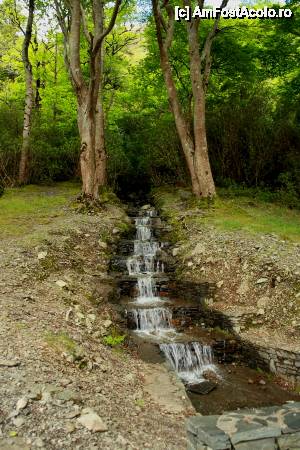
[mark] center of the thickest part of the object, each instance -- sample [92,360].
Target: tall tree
[74,19]
[29,97]
[193,139]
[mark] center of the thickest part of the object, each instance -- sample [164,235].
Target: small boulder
[22,403]
[90,420]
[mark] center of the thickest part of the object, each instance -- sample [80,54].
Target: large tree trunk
[194,146]
[86,126]
[201,159]
[92,155]
[29,100]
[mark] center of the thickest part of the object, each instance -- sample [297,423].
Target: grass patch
[63,343]
[254,217]
[238,213]
[22,209]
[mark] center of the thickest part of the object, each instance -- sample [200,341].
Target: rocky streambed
[170,324]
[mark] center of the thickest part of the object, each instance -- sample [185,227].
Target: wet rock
[90,420]
[202,388]
[211,376]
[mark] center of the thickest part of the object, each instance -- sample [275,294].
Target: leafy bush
[114,340]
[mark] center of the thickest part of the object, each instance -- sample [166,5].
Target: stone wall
[275,360]
[270,428]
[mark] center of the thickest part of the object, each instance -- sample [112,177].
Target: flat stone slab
[166,389]
[256,433]
[202,388]
[267,428]
[207,433]
[262,444]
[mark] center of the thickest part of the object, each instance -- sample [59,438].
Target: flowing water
[189,360]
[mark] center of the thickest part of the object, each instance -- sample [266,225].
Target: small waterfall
[145,248]
[152,320]
[143,233]
[143,263]
[189,360]
[138,265]
[147,289]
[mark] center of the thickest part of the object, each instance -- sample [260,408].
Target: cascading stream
[188,360]
[152,320]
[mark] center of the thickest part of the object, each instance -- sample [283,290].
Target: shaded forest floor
[56,368]
[251,250]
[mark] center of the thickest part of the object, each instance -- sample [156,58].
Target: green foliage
[252,117]
[114,340]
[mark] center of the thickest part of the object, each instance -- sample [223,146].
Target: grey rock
[92,421]
[289,442]
[67,395]
[22,403]
[18,421]
[292,420]
[262,444]
[207,433]
[259,432]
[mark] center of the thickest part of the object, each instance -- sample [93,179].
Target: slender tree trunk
[29,100]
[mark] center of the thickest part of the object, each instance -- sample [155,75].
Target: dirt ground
[61,386]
